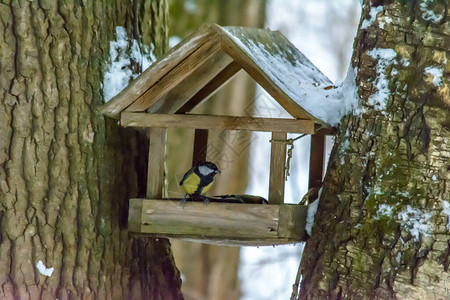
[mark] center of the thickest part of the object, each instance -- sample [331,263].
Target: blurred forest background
[323,30]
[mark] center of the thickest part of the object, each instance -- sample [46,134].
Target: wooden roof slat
[216,122]
[151,75]
[176,75]
[175,98]
[209,89]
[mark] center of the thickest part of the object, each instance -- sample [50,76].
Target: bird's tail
[243,198]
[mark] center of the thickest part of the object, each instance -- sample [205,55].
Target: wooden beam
[208,90]
[316,160]
[177,97]
[292,221]
[134,213]
[324,131]
[217,122]
[223,241]
[277,167]
[234,224]
[158,69]
[155,174]
[200,146]
[176,75]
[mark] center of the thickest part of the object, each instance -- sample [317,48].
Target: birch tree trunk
[382,226]
[67,172]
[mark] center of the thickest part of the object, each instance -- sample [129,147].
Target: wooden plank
[217,122]
[210,220]
[277,168]
[155,177]
[222,241]
[175,98]
[135,215]
[292,221]
[200,146]
[158,69]
[324,131]
[220,223]
[316,160]
[209,90]
[176,75]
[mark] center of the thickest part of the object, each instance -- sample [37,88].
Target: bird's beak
[218,172]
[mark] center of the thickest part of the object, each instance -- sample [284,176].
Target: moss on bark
[67,172]
[380,229]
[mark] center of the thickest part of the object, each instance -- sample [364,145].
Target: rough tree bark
[67,172]
[382,227]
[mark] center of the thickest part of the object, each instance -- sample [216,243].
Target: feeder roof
[194,69]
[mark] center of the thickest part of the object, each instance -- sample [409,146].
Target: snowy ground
[269,272]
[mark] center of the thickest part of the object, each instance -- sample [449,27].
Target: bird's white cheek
[204,170]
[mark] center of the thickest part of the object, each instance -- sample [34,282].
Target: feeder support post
[155,173]
[277,168]
[200,146]
[316,160]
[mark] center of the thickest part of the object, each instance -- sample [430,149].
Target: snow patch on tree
[122,52]
[384,210]
[174,40]
[385,58]
[344,147]
[404,61]
[348,91]
[383,21]
[417,221]
[398,257]
[344,96]
[312,209]
[373,15]
[43,269]
[427,13]
[436,73]
[446,210]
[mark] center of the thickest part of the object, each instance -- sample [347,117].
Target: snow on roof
[294,74]
[279,67]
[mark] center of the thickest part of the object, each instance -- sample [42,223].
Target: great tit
[198,180]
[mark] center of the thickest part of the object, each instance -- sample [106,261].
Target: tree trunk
[67,172]
[382,226]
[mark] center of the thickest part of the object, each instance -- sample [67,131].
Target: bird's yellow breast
[191,183]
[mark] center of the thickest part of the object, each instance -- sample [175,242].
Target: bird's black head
[208,168]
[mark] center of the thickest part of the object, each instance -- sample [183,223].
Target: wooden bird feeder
[162,96]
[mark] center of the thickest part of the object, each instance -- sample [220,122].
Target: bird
[198,180]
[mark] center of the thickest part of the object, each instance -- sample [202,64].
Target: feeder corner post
[200,146]
[316,160]
[155,174]
[277,168]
